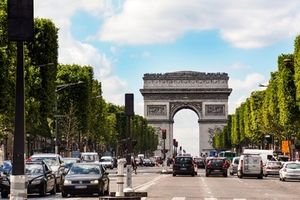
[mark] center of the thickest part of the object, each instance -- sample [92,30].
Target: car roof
[45,155]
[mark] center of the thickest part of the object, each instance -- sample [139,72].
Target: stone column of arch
[204,93]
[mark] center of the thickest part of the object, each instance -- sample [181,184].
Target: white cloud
[243,23]
[76,52]
[241,89]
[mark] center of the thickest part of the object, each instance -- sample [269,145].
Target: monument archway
[204,93]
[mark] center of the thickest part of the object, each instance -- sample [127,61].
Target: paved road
[166,187]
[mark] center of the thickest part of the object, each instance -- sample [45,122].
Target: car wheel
[206,174]
[225,174]
[283,179]
[4,194]
[174,174]
[64,194]
[231,173]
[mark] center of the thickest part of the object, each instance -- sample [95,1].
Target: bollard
[120,177]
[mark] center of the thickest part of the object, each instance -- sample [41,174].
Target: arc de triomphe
[204,93]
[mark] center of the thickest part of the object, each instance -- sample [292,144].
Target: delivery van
[264,153]
[250,165]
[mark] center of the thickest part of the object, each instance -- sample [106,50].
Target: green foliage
[297,68]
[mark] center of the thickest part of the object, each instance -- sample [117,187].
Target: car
[272,168]
[40,178]
[86,178]
[290,170]
[250,165]
[107,161]
[234,165]
[5,184]
[216,165]
[89,157]
[148,163]
[55,162]
[5,167]
[69,161]
[200,162]
[184,165]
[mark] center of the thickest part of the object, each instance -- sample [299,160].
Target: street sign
[285,146]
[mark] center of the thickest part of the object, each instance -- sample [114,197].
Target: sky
[124,39]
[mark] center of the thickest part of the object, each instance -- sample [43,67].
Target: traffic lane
[169,187]
[219,187]
[251,187]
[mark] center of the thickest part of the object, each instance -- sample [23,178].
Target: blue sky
[124,39]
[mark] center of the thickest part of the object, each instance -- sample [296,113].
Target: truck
[265,154]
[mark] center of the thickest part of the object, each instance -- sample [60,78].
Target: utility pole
[129,112]
[20,29]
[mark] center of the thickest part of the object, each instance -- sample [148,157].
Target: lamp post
[59,88]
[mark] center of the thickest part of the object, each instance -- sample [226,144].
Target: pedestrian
[134,166]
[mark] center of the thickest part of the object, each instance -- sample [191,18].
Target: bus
[227,154]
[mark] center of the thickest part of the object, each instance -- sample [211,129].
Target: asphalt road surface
[166,187]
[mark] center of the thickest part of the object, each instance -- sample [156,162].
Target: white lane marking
[210,199]
[178,198]
[145,186]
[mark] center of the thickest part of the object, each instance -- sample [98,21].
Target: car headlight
[94,182]
[36,181]
[67,182]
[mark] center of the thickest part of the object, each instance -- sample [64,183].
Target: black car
[184,165]
[216,165]
[5,184]
[86,178]
[56,164]
[40,179]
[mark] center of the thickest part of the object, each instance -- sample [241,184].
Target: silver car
[234,165]
[290,170]
[272,168]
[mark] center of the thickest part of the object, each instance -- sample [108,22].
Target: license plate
[80,186]
[182,168]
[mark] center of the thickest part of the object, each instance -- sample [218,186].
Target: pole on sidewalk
[120,178]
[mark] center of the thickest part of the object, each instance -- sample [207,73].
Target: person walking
[134,166]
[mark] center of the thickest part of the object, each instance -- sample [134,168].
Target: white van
[250,165]
[89,157]
[265,154]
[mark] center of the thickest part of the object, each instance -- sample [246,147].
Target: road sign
[285,146]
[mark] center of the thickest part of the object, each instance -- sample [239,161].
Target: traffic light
[164,133]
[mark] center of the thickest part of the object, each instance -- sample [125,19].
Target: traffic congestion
[90,175]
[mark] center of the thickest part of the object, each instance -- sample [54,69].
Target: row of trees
[84,117]
[271,112]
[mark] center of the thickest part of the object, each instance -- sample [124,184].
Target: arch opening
[186,131]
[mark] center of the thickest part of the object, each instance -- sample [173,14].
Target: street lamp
[59,88]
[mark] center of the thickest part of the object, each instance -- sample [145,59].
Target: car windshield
[33,169]
[84,169]
[275,163]
[293,166]
[51,161]
[105,160]
[236,161]
[183,160]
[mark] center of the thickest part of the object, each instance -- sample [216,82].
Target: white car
[107,162]
[290,170]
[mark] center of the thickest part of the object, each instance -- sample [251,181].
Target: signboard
[285,146]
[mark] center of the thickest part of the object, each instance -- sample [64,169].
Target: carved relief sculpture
[156,110]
